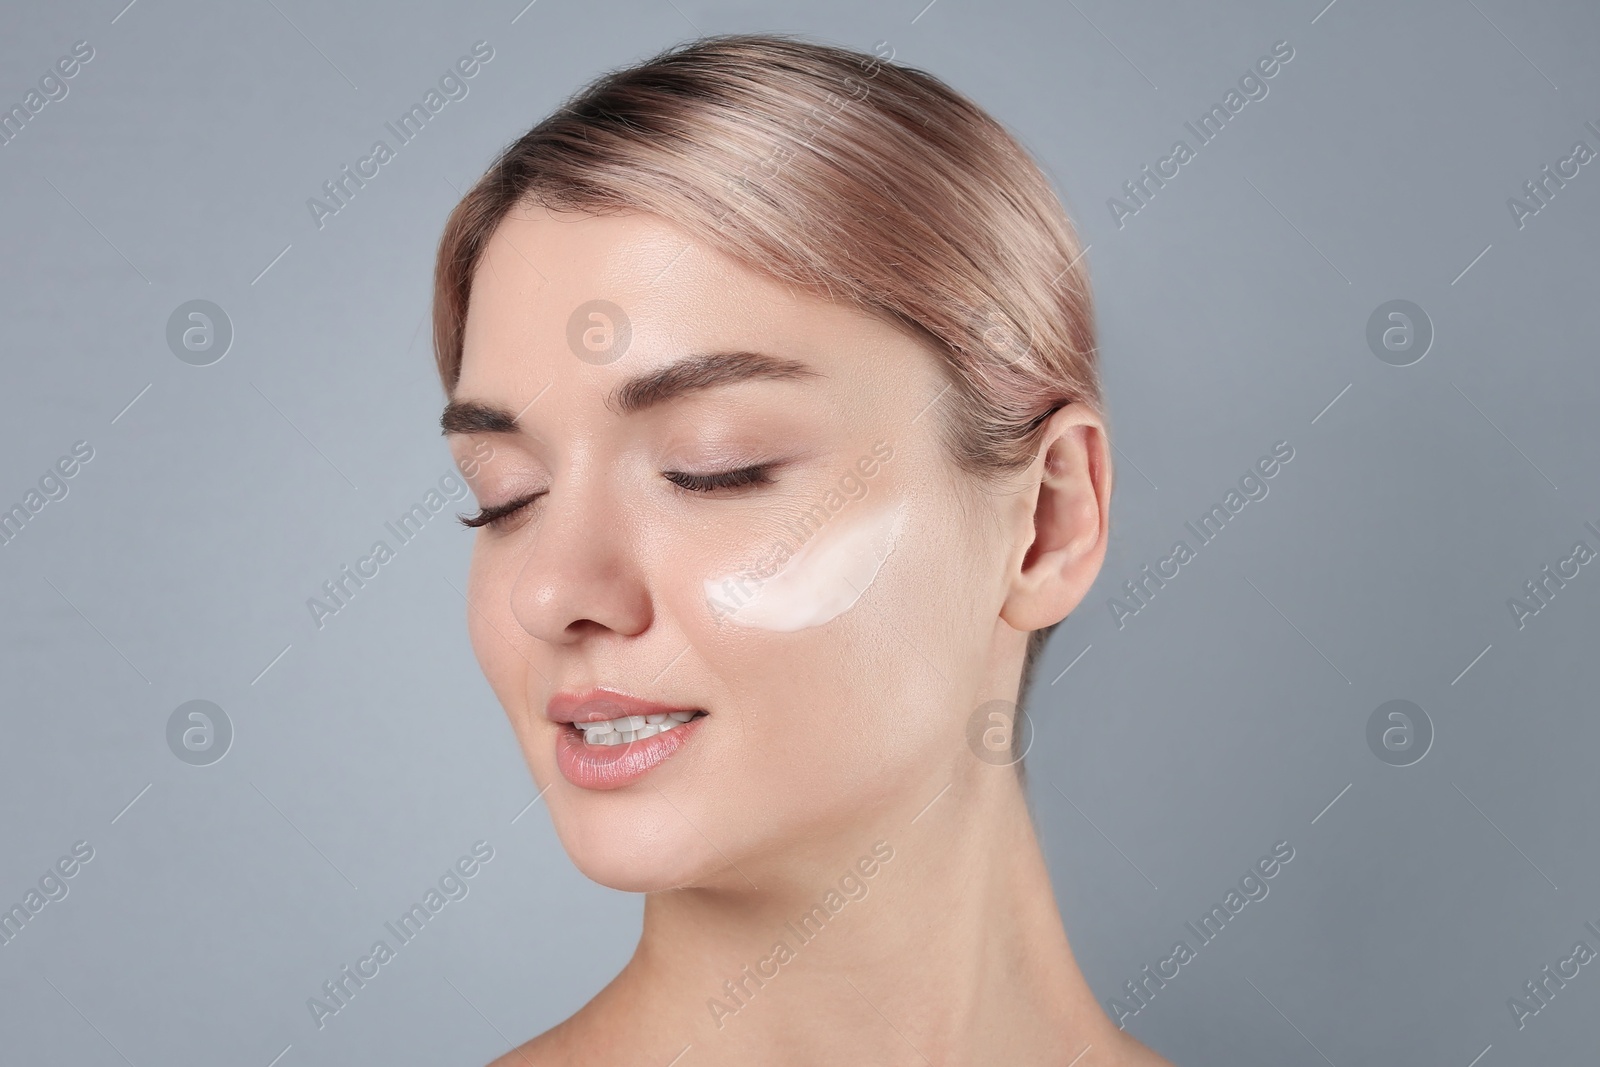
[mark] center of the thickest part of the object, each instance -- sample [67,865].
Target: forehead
[558,295]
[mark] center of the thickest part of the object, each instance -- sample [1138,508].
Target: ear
[1062,542]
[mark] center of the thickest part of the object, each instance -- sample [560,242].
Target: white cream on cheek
[820,582]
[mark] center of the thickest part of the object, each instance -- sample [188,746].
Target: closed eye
[499,513]
[707,483]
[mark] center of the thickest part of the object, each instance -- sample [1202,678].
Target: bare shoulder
[1130,1052]
[550,1047]
[575,1042]
[596,1035]
[526,1055]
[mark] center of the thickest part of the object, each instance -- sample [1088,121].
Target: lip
[602,703]
[603,767]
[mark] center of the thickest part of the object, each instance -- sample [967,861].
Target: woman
[776,390]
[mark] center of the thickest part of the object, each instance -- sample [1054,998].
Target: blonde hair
[856,179]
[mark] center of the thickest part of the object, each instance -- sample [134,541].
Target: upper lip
[593,705]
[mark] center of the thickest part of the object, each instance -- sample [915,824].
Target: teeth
[628,728]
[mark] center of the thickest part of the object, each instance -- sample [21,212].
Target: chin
[641,847]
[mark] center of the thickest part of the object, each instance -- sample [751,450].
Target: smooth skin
[818,742]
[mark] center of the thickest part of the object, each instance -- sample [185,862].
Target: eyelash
[497,515]
[734,479]
[692,483]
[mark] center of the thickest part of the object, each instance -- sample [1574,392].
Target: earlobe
[1066,531]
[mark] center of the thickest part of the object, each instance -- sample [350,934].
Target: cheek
[837,560]
[492,627]
[844,658]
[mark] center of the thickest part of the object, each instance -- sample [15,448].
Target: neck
[927,934]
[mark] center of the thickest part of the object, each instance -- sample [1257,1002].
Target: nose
[582,574]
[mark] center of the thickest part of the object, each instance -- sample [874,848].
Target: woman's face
[832,609]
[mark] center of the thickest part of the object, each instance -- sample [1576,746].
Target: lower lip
[614,766]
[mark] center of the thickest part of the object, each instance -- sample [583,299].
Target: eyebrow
[688,375]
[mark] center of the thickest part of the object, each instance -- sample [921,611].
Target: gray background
[1224,717]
